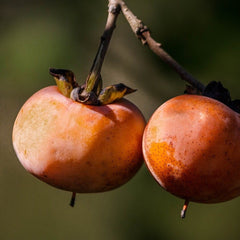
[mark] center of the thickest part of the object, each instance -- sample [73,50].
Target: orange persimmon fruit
[77,147]
[191,147]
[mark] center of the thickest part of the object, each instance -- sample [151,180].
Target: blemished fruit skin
[191,145]
[77,147]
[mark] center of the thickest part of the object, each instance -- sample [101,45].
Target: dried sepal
[65,80]
[113,93]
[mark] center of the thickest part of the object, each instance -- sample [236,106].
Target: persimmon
[191,147]
[77,147]
[81,138]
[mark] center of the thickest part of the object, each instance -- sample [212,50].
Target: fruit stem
[72,202]
[184,209]
[94,79]
[143,33]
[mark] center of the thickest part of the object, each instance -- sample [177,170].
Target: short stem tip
[184,209]
[72,202]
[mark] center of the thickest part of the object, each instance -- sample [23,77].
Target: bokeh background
[202,35]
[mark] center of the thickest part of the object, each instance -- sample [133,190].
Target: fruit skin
[77,147]
[191,145]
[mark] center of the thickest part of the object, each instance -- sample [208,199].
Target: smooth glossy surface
[191,146]
[78,147]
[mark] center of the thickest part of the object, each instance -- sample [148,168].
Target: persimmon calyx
[80,95]
[113,93]
[94,95]
[65,80]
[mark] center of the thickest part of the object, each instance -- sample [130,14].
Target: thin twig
[143,33]
[113,12]
[88,92]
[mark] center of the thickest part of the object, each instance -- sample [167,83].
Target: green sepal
[91,92]
[113,93]
[65,80]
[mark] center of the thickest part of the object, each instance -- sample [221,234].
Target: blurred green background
[202,35]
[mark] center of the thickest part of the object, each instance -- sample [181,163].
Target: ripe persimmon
[81,138]
[77,147]
[191,147]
